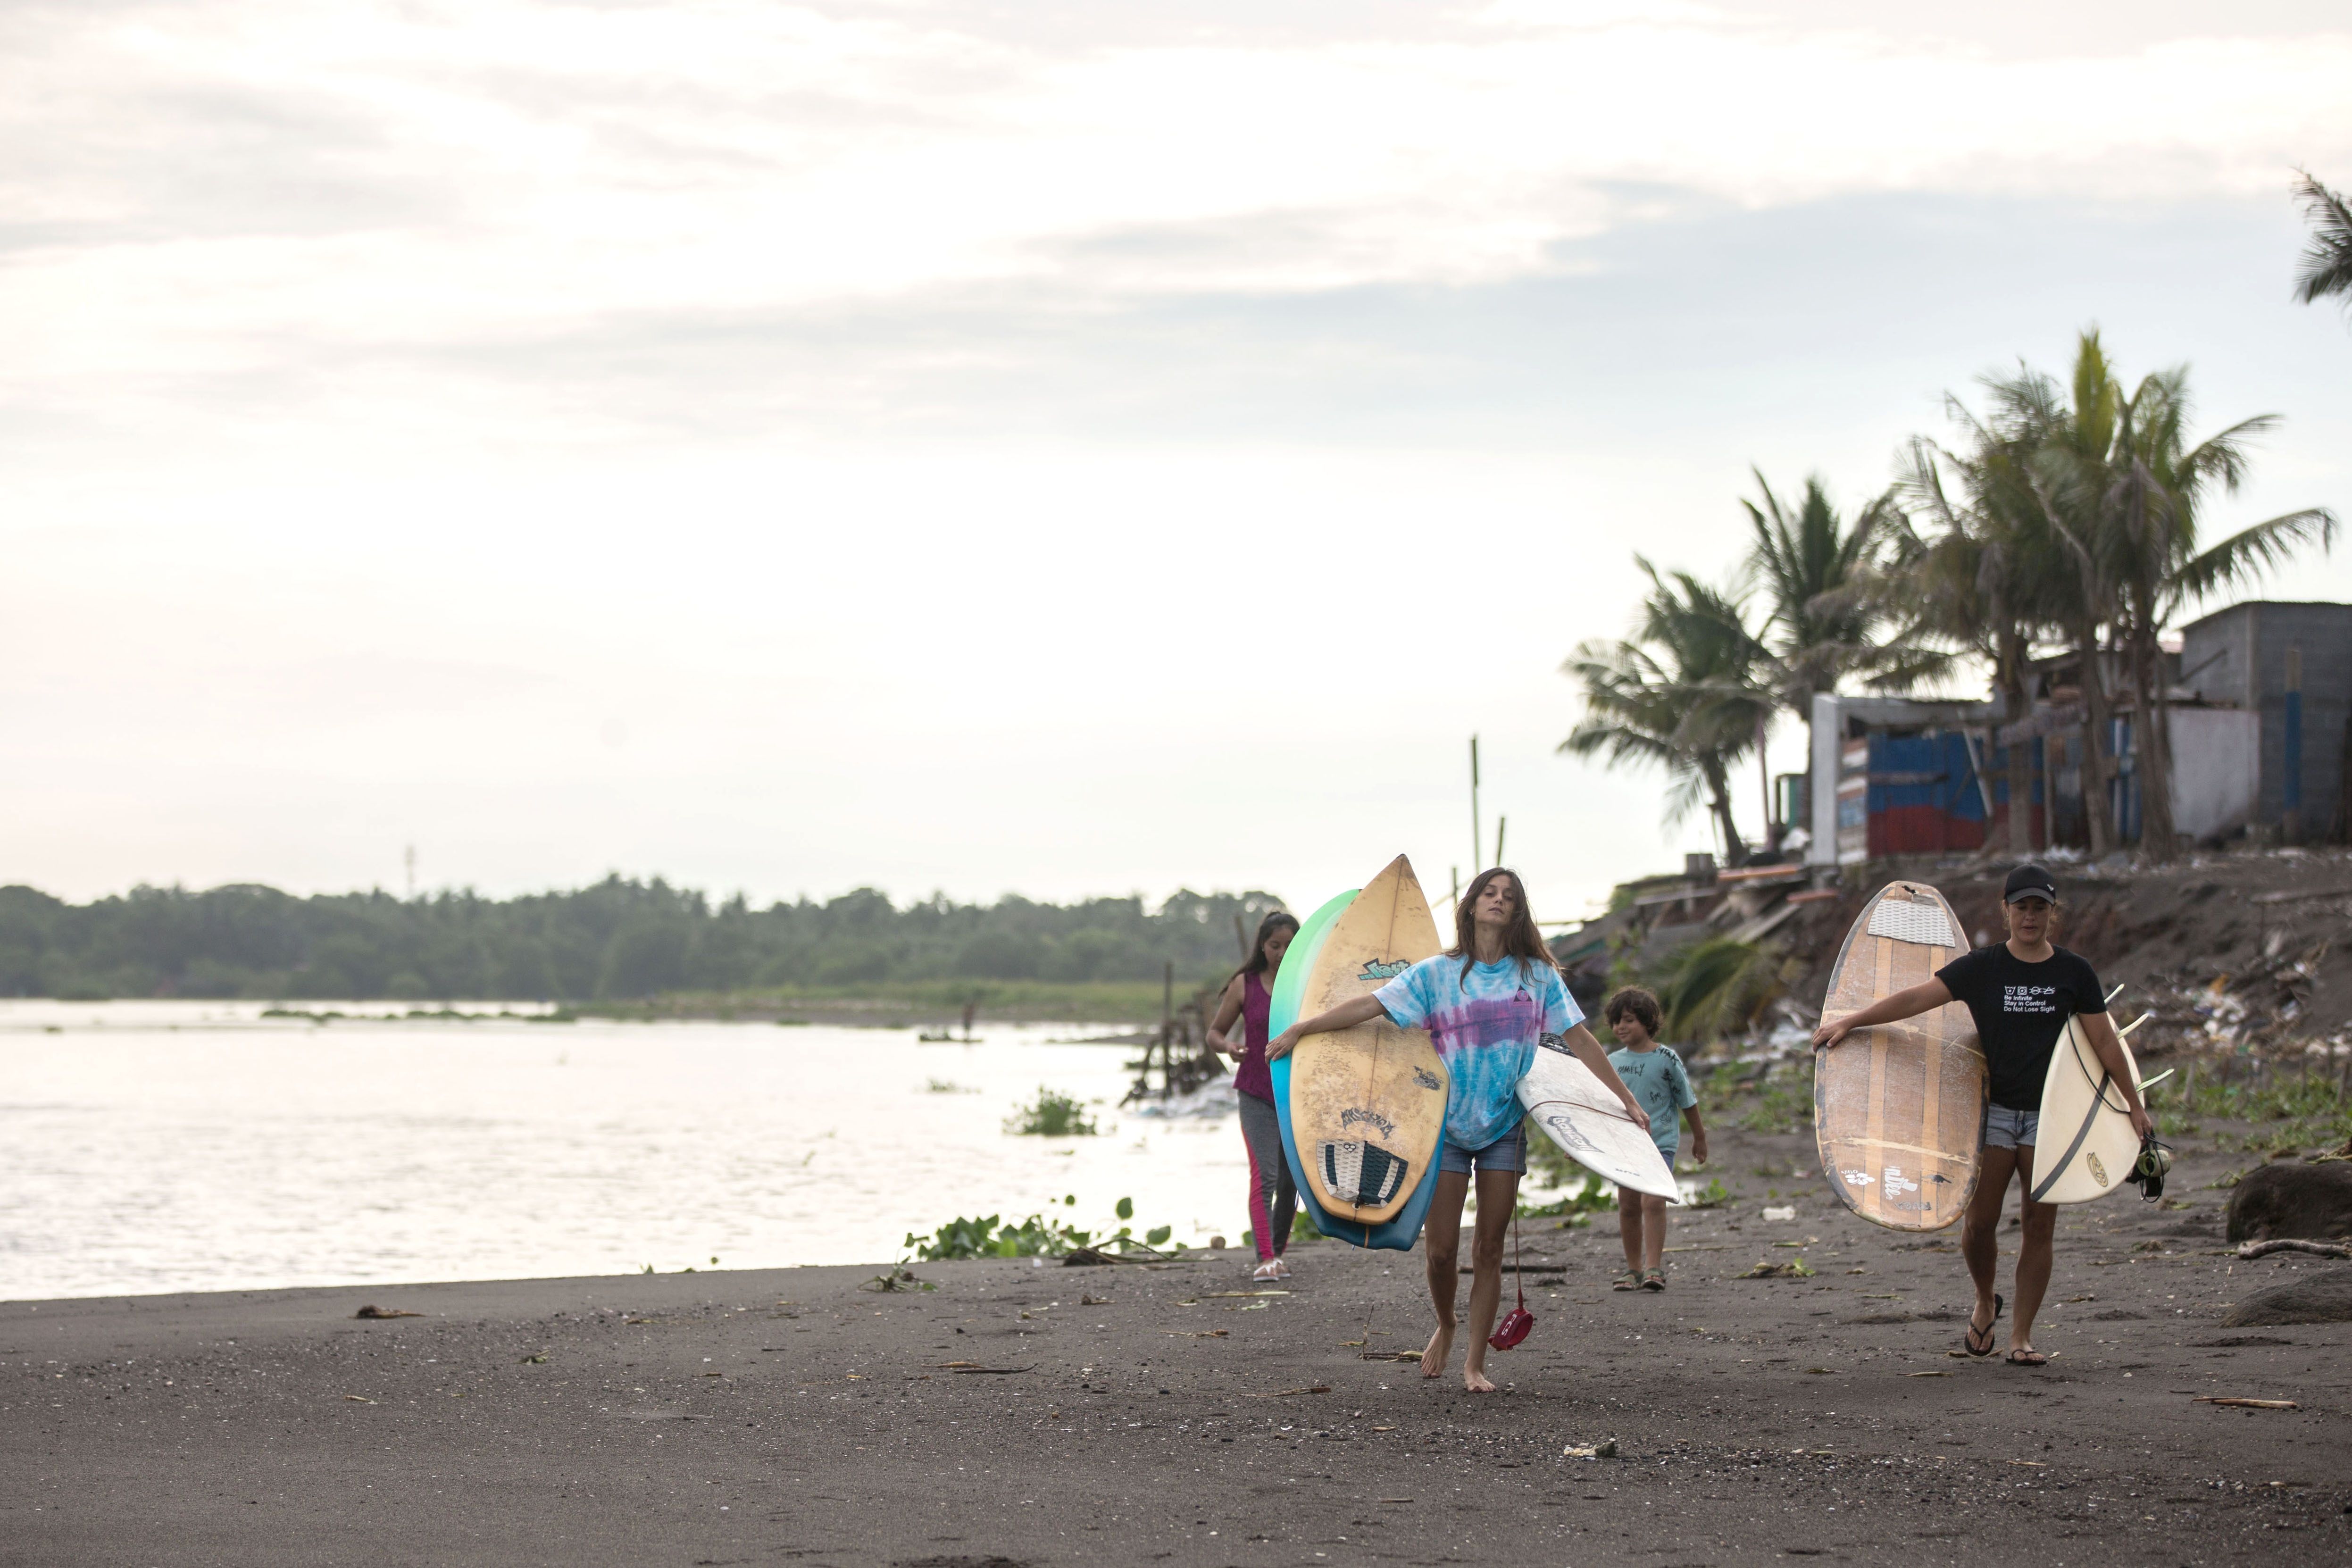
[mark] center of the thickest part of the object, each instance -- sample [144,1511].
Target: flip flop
[1629,1280]
[1968,1343]
[1653,1279]
[2025,1357]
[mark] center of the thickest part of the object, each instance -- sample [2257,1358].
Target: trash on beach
[1604,1449]
[1094,1300]
[359,1399]
[965,1368]
[896,1280]
[537,1359]
[1196,1333]
[1389,1355]
[2248,1403]
[2317,1248]
[1288,1393]
[1792,1269]
[1215,1293]
[1786,1211]
[1938,1373]
[374,1311]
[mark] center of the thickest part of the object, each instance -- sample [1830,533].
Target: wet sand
[1151,1415]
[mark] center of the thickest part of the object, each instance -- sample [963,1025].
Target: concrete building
[2290,664]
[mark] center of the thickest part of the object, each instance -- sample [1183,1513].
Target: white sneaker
[1269,1271]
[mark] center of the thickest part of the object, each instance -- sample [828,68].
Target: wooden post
[1502,825]
[1240,936]
[1168,1031]
[1477,833]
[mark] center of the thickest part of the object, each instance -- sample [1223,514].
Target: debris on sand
[2317,1248]
[1793,1269]
[375,1311]
[2248,1403]
[1413,1356]
[1604,1449]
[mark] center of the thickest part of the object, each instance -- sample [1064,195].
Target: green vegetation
[1780,1101]
[616,941]
[1036,1237]
[1716,988]
[2284,1114]
[1054,1115]
[1595,1196]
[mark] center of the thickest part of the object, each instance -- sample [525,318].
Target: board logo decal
[1354,1114]
[1383,969]
[1856,1178]
[2098,1171]
[1566,1132]
[1361,1174]
[1897,1185]
[1426,1078]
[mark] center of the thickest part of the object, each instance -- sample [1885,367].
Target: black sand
[790,1417]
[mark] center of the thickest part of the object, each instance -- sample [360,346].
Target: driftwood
[2316,1249]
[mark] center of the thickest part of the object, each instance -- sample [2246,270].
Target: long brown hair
[1275,920]
[1521,940]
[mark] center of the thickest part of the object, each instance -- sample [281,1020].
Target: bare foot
[1475,1381]
[1440,1347]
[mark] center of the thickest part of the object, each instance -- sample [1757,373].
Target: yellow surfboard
[1367,1104]
[1898,1109]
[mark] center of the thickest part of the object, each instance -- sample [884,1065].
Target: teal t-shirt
[1660,1082]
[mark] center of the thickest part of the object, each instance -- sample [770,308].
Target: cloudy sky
[1063,448]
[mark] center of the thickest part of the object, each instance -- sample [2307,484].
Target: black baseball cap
[2027,882]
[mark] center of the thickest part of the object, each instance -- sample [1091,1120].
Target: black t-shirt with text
[2020,1010]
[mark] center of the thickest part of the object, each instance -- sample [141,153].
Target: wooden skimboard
[1898,1110]
[1568,1101]
[2084,1145]
[1362,1110]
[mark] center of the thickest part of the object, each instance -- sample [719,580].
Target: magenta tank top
[1250,1075]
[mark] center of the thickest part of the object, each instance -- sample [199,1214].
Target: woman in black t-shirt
[2021,994]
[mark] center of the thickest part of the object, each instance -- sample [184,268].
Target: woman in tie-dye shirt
[1488,1004]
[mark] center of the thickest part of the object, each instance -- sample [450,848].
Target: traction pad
[1924,922]
[1362,1173]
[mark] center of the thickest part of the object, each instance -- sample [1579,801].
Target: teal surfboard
[1399,1232]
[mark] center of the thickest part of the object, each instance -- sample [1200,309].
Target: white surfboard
[2085,1146]
[1568,1101]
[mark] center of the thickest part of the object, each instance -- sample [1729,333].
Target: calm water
[162,1146]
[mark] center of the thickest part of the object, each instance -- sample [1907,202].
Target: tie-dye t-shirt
[1487,1025]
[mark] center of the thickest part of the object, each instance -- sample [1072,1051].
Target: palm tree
[1826,622]
[1682,693]
[2327,265]
[2150,490]
[1977,585]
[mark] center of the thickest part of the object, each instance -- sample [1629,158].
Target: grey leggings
[1273,1201]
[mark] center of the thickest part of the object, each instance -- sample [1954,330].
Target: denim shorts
[2007,1128]
[1508,1153]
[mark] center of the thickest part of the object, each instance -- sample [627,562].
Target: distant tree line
[617,939]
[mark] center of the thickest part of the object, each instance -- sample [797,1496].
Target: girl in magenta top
[1273,1200]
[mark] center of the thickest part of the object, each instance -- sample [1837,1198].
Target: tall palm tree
[1682,693]
[1818,573]
[2326,267]
[2150,490]
[1977,583]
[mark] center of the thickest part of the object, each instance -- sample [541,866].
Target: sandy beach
[1018,1414]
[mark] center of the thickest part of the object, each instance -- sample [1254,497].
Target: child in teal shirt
[1655,1075]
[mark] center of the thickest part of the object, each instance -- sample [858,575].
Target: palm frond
[2325,268]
